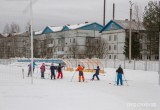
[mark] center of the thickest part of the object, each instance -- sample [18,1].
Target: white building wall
[116,42]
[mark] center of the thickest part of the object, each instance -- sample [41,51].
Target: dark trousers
[119,79]
[29,72]
[95,75]
[53,75]
[42,74]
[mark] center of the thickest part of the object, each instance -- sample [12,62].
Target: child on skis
[119,75]
[53,68]
[96,73]
[80,69]
[59,69]
[43,68]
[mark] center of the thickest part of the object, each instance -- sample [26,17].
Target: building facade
[116,32]
[66,41]
[15,45]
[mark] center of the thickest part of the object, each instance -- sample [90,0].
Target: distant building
[67,41]
[116,32]
[15,45]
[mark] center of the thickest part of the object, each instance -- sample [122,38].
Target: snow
[38,32]
[17,93]
[76,26]
[56,29]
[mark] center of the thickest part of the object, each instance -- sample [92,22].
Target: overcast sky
[63,12]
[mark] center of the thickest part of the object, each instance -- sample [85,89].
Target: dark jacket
[97,70]
[59,68]
[119,70]
[52,68]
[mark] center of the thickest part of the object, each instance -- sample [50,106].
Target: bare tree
[27,27]
[101,48]
[12,28]
[137,15]
[6,29]
[90,50]
[74,50]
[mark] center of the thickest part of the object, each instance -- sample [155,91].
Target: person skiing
[96,73]
[59,69]
[29,68]
[42,70]
[53,68]
[80,69]
[119,75]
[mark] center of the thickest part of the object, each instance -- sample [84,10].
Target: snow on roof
[76,26]
[38,32]
[56,29]
[125,24]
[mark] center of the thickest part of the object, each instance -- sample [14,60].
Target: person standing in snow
[119,75]
[43,68]
[59,69]
[29,68]
[96,73]
[80,69]
[53,68]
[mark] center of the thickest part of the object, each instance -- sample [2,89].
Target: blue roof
[92,26]
[111,25]
[86,26]
[47,30]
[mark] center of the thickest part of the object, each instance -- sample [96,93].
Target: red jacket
[42,68]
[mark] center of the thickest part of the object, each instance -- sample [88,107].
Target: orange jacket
[80,68]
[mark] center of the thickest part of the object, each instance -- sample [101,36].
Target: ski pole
[73,76]
[125,80]
[115,78]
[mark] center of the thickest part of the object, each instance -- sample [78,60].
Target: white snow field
[16,93]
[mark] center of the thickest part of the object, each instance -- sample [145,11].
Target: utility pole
[159,39]
[31,30]
[104,16]
[130,32]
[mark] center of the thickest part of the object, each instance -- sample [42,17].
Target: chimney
[86,22]
[126,19]
[134,20]
[113,11]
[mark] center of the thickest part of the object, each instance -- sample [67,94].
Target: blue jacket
[52,68]
[97,70]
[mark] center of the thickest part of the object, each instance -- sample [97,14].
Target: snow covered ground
[16,93]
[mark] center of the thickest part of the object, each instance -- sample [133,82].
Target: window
[115,47]
[115,37]
[115,56]
[156,57]
[109,47]
[97,41]
[73,40]
[110,38]
[110,57]
[70,40]
[112,26]
[148,47]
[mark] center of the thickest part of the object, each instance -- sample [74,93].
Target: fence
[134,64]
[108,63]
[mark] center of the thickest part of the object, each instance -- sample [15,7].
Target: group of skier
[80,69]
